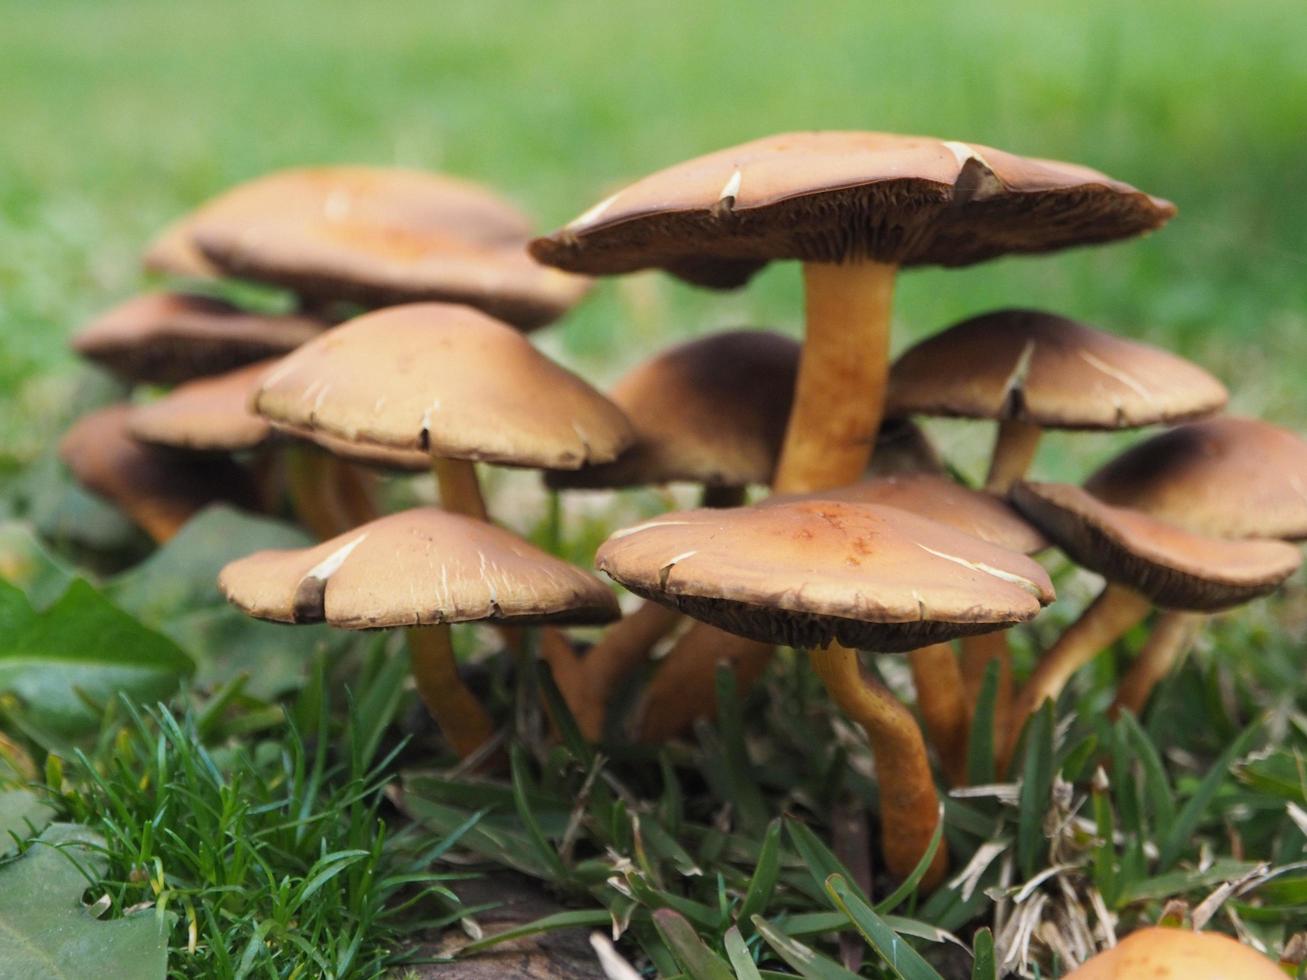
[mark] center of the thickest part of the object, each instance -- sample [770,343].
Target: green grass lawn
[118,116]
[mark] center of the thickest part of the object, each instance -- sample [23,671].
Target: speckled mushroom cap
[1175,568]
[214,415]
[167,338]
[973,512]
[710,411]
[381,236]
[1227,477]
[806,573]
[447,380]
[417,567]
[834,196]
[159,490]
[1161,953]
[1049,371]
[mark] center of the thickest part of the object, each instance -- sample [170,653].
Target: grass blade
[810,964]
[820,861]
[981,767]
[700,962]
[898,954]
[578,918]
[1178,837]
[521,798]
[765,874]
[745,793]
[909,885]
[984,966]
[738,953]
[1036,785]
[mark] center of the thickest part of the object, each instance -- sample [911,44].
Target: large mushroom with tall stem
[829,576]
[459,386]
[1228,477]
[1146,563]
[421,570]
[710,412]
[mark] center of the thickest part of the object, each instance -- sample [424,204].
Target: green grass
[119,116]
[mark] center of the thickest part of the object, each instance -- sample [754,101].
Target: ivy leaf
[46,932]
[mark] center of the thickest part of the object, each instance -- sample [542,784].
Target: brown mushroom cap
[447,380]
[1049,371]
[834,196]
[937,498]
[381,236]
[419,567]
[1175,568]
[157,489]
[1178,954]
[806,573]
[172,252]
[1227,477]
[166,338]
[710,411]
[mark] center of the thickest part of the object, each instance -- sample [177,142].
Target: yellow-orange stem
[460,490]
[1014,451]
[909,804]
[1168,642]
[943,706]
[620,651]
[310,483]
[978,652]
[464,721]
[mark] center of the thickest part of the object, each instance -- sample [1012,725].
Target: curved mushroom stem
[1106,620]
[909,805]
[620,651]
[354,491]
[310,483]
[682,690]
[461,717]
[839,396]
[460,489]
[942,702]
[978,652]
[1014,450]
[1172,635]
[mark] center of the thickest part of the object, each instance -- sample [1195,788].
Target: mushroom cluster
[405,349]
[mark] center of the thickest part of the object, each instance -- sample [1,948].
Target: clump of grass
[273,856]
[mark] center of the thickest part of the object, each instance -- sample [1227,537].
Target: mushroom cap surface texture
[418,567]
[972,512]
[207,415]
[447,380]
[1050,371]
[839,196]
[380,236]
[1175,568]
[1228,477]
[710,411]
[1159,953]
[168,338]
[809,572]
[157,488]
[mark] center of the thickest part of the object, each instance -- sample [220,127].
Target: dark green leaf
[981,766]
[1179,835]
[699,961]
[765,873]
[819,860]
[982,949]
[1036,787]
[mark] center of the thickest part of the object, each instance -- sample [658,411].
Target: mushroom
[1030,371]
[945,702]
[1146,562]
[421,570]
[453,383]
[711,411]
[1162,953]
[166,338]
[382,236]
[1227,477]
[829,576]
[157,489]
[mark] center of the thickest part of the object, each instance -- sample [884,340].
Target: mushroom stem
[1170,639]
[354,490]
[978,652]
[309,483]
[682,691]
[465,723]
[1014,450]
[839,395]
[460,490]
[909,805]
[1115,610]
[942,702]
[620,651]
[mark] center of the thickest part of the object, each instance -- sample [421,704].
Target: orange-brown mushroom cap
[710,411]
[172,252]
[1050,371]
[1175,568]
[157,489]
[381,236]
[1228,477]
[168,338]
[1159,953]
[447,380]
[973,512]
[836,196]
[418,567]
[809,572]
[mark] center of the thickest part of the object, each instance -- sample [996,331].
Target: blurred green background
[117,116]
